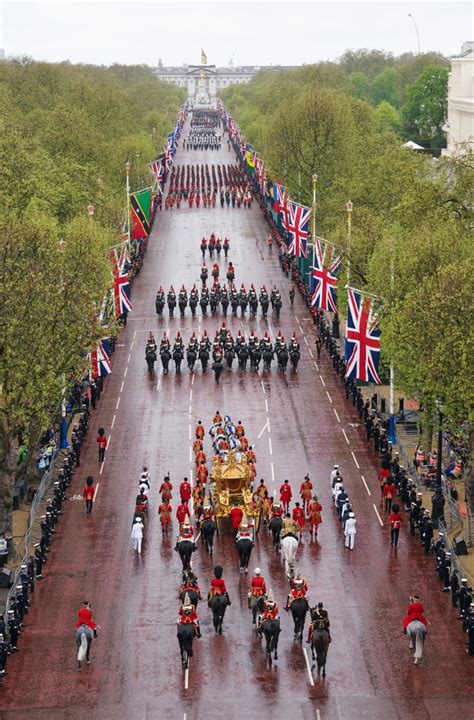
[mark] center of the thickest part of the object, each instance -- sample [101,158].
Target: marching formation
[193,183]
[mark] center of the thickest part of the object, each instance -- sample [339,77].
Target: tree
[426,107]
[360,85]
[386,86]
[387,117]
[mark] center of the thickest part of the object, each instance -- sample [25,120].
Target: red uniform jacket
[415,612]
[88,493]
[218,586]
[305,490]
[165,490]
[102,440]
[236,514]
[285,493]
[257,586]
[298,516]
[185,491]
[388,490]
[187,618]
[181,512]
[84,617]
[395,520]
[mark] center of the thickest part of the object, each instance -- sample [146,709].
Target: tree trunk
[426,433]
[470,489]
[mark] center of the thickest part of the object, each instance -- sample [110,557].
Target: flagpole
[349,208]
[313,237]
[127,171]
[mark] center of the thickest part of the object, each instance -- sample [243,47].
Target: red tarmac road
[307,426]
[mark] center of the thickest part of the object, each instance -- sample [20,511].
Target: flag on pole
[298,222]
[140,203]
[120,287]
[99,358]
[282,205]
[203,57]
[157,169]
[326,266]
[250,158]
[362,348]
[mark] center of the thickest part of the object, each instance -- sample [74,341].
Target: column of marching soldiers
[12,626]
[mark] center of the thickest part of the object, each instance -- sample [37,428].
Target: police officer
[13,629]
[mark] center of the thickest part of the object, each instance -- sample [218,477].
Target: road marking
[316,365]
[118,403]
[355,460]
[191,395]
[263,429]
[310,352]
[121,386]
[129,356]
[190,454]
[308,666]
[263,387]
[126,371]
[268,424]
[273,472]
[266,405]
[296,319]
[318,714]
[329,397]
[335,413]
[95,492]
[189,426]
[305,340]
[347,439]
[366,486]
[377,513]
[192,380]
[270,445]
[134,334]
[190,408]
[158,385]
[186,678]
[113,422]
[101,468]
[322,380]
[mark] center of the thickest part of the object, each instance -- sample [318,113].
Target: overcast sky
[260,33]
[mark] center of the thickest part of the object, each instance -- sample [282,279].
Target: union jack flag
[326,266]
[281,204]
[100,363]
[362,349]
[121,286]
[260,166]
[298,222]
[157,169]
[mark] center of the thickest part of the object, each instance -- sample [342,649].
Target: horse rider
[218,586]
[258,586]
[294,344]
[186,531]
[151,342]
[165,343]
[415,612]
[289,527]
[84,617]
[270,610]
[277,510]
[319,621]
[178,342]
[207,513]
[188,615]
[299,589]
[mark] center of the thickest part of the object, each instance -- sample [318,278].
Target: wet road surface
[136,671]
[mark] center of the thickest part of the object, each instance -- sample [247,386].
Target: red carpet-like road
[136,672]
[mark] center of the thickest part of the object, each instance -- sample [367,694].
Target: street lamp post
[63,441]
[127,171]
[440,447]
[417,33]
[349,209]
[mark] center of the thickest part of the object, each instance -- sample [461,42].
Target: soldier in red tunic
[84,617]
[314,512]
[306,492]
[236,514]
[164,511]
[165,489]
[200,457]
[286,494]
[299,517]
[185,491]
[218,586]
[181,512]
[188,615]
[200,430]
[202,473]
[299,589]
[415,612]
[258,587]
[270,610]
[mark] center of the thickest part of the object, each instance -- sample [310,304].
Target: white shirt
[350,528]
[333,474]
[337,489]
[137,531]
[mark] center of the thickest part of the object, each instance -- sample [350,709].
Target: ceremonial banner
[140,203]
[327,262]
[362,348]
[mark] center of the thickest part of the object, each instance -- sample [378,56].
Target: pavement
[298,423]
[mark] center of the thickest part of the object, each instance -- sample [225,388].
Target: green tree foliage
[426,107]
[65,134]
[387,117]
[386,87]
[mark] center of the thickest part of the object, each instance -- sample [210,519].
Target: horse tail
[82,651]
[419,642]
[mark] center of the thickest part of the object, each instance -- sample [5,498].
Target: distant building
[203,82]
[460,123]
[2,54]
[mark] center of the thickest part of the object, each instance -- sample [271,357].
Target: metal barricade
[37,500]
[455,562]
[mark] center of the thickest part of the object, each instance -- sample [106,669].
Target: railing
[455,563]
[37,499]
[452,519]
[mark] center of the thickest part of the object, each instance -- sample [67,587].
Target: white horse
[84,636]
[289,546]
[416,631]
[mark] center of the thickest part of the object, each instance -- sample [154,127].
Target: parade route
[297,423]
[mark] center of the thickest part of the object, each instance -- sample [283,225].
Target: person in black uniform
[3,655]
[454,587]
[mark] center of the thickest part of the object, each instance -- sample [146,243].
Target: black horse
[208,528]
[182,302]
[171,304]
[193,305]
[185,639]
[159,305]
[264,302]
[229,358]
[243,355]
[299,607]
[294,359]
[244,550]
[217,367]
[185,549]
[191,357]
[234,303]
[275,528]
[277,306]
[256,358]
[271,630]
[204,358]
[267,359]
[253,305]
[178,356]
[282,360]
[319,649]
[255,606]
[150,357]
[204,302]
[218,605]
[165,357]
